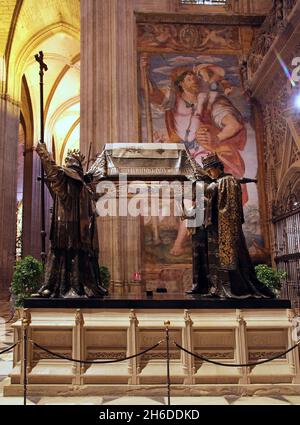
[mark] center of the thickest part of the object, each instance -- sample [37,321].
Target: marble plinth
[157,301]
[108,329]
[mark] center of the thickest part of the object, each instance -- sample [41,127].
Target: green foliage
[27,279]
[270,277]
[104,276]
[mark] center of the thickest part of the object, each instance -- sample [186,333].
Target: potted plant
[270,277]
[27,279]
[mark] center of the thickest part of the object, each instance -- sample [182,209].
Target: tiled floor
[6,340]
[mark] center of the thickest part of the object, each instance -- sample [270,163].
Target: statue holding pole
[43,67]
[72,268]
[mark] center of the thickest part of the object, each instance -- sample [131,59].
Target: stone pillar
[36,243]
[117,255]
[9,124]
[134,263]
[109,105]
[27,201]
[109,111]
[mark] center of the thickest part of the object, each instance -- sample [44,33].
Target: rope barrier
[236,365]
[95,361]
[9,348]
[199,356]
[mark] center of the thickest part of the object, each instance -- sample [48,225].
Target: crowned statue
[72,268]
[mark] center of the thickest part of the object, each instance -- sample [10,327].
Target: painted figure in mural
[230,270]
[160,35]
[199,114]
[72,267]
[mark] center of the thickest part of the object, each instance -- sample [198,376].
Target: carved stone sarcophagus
[150,161]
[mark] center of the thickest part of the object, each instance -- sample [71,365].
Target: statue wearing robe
[72,265]
[231,272]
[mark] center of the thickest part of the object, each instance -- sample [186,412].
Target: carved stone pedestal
[112,329]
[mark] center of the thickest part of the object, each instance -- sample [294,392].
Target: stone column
[134,263]
[109,109]
[9,124]
[116,257]
[109,105]
[32,225]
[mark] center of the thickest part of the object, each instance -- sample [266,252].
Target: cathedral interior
[115,75]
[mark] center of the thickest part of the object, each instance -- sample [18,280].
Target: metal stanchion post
[167,324]
[25,323]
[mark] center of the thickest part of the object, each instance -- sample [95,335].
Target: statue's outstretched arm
[54,173]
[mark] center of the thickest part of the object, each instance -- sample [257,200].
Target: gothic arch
[29,47]
[63,147]
[61,75]
[62,108]
[290,181]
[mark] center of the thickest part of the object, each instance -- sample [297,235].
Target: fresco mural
[197,99]
[180,37]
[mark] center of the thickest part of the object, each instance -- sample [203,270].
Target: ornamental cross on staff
[43,67]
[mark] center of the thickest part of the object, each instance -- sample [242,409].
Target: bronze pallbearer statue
[72,266]
[222,264]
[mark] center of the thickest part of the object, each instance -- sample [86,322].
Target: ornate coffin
[150,161]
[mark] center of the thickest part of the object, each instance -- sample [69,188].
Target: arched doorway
[286,219]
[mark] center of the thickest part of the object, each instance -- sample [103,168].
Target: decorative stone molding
[275,23]
[187,18]
[267,83]
[248,6]
[106,334]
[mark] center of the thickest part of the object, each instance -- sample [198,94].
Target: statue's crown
[75,154]
[211,161]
